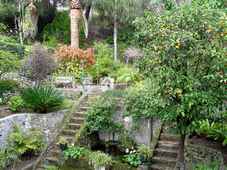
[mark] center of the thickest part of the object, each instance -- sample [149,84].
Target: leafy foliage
[98,159]
[210,3]
[16,103]
[104,61]
[142,100]
[58,31]
[185,56]
[8,62]
[145,152]
[133,159]
[100,115]
[125,74]
[213,130]
[125,141]
[42,99]
[73,61]
[105,66]
[8,86]
[208,166]
[7,12]
[3,28]
[19,144]
[51,167]
[74,152]
[26,143]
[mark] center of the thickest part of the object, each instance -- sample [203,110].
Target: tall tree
[118,11]
[75,14]
[185,55]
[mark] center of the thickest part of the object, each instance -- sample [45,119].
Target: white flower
[127,150]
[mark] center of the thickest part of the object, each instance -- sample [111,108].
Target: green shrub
[26,143]
[57,31]
[207,166]
[133,159]
[100,116]
[8,12]
[51,167]
[144,152]
[210,3]
[73,152]
[126,142]
[6,158]
[125,74]
[8,86]
[142,101]
[98,159]
[8,62]
[16,103]
[21,143]
[42,99]
[2,28]
[184,54]
[104,64]
[213,130]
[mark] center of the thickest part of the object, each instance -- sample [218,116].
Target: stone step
[165,161]
[79,115]
[159,167]
[169,137]
[74,126]
[168,145]
[77,120]
[52,160]
[40,168]
[83,108]
[69,138]
[166,152]
[69,132]
[55,152]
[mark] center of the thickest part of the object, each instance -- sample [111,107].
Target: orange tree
[74,61]
[185,56]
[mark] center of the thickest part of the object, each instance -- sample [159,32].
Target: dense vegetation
[171,54]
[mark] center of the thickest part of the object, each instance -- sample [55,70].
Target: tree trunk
[20,23]
[86,18]
[181,157]
[115,36]
[75,33]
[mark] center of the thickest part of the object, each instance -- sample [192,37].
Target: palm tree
[75,14]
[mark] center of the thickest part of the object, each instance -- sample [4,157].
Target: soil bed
[4,111]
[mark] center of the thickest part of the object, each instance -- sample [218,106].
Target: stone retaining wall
[197,153]
[47,123]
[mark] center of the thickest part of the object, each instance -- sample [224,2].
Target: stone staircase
[166,152]
[77,119]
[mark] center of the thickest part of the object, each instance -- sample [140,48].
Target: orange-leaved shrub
[74,62]
[67,53]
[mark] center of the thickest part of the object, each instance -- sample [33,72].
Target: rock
[107,82]
[64,82]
